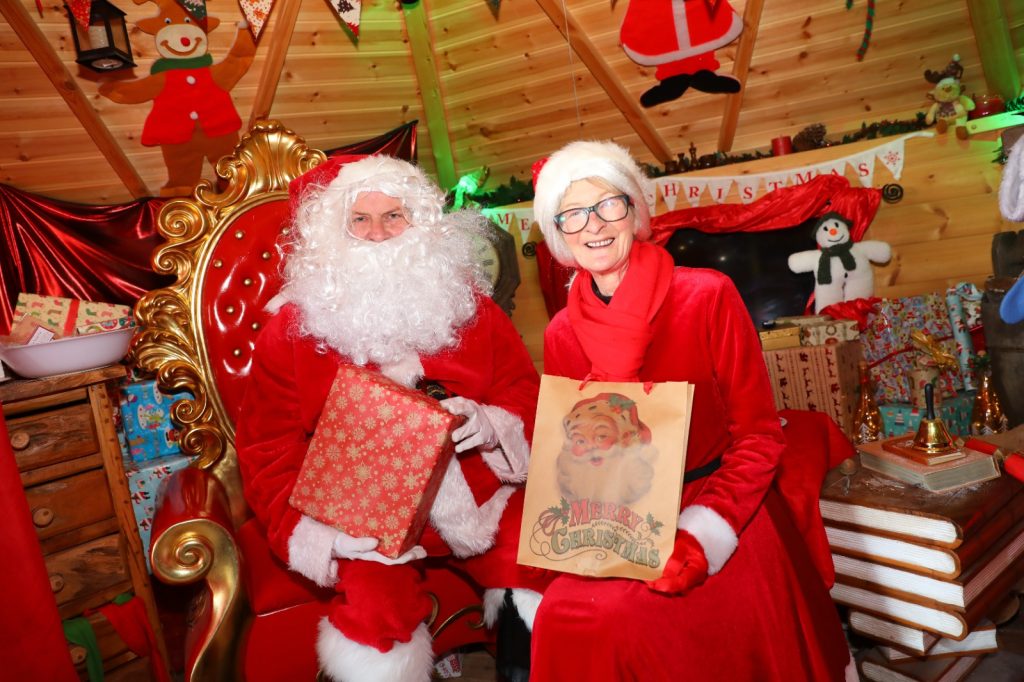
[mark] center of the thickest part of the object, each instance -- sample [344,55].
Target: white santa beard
[380,301]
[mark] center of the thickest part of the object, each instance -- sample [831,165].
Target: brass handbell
[932,435]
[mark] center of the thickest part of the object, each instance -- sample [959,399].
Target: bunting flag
[518,221]
[348,11]
[892,155]
[80,10]
[256,13]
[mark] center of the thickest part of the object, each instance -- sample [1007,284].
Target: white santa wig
[380,301]
[587,159]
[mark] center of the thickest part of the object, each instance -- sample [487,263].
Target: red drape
[779,209]
[57,248]
[32,645]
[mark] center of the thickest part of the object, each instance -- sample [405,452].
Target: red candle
[782,145]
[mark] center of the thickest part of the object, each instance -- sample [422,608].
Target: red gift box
[376,460]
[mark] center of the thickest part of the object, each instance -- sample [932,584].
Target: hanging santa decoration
[679,37]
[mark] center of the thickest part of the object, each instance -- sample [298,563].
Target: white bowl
[73,354]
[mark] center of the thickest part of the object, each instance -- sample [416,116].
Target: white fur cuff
[511,441]
[715,535]
[526,602]
[309,551]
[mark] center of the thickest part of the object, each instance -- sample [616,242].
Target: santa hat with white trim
[583,159]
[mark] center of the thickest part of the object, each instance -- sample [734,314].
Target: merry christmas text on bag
[606,476]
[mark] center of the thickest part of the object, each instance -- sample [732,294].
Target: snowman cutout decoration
[842,267]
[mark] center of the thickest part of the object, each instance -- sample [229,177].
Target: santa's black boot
[513,644]
[709,81]
[667,90]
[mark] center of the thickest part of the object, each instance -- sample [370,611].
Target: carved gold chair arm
[193,542]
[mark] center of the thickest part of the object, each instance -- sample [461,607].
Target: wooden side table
[65,444]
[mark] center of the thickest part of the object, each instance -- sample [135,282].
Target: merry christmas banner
[721,188]
[518,221]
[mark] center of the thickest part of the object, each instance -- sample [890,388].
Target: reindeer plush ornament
[842,267]
[950,104]
[193,117]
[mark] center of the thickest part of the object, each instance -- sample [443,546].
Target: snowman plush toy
[841,266]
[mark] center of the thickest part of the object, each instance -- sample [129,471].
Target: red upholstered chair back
[242,276]
[198,334]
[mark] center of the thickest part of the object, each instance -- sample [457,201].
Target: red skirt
[765,616]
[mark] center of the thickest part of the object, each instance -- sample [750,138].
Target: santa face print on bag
[607,452]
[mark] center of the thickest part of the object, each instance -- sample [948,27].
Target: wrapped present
[146,418]
[817,378]
[963,302]
[105,326]
[829,331]
[65,315]
[890,352]
[901,418]
[780,336]
[29,330]
[376,460]
[144,479]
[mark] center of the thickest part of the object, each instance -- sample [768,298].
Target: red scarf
[615,335]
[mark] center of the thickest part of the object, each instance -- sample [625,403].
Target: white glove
[348,547]
[477,431]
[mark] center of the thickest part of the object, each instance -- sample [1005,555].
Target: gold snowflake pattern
[389,481]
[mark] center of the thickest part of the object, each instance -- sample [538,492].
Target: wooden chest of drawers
[65,445]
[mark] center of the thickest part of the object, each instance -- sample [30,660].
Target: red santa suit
[678,36]
[379,605]
[764,613]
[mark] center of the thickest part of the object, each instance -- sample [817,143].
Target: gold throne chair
[251,619]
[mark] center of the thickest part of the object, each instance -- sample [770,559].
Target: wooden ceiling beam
[48,60]
[740,69]
[599,69]
[280,41]
[421,45]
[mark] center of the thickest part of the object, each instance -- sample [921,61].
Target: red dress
[767,614]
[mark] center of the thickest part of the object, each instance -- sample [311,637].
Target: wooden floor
[1005,666]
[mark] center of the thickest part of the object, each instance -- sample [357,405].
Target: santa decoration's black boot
[513,644]
[709,81]
[667,90]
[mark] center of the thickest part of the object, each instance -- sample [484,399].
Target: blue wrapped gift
[144,479]
[146,417]
[901,418]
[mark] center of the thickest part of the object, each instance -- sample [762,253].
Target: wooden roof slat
[744,50]
[416,24]
[570,30]
[280,40]
[66,85]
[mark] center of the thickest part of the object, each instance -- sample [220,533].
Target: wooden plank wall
[941,232]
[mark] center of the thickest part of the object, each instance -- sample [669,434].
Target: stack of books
[920,570]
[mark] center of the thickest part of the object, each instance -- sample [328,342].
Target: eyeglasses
[609,210]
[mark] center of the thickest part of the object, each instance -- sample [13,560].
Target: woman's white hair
[377,302]
[589,159]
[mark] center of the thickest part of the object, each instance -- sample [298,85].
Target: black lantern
[103,45]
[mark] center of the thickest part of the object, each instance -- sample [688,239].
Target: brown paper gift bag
[605,478]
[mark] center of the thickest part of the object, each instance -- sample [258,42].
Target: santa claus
[378,276]
[679,37]
[607,452]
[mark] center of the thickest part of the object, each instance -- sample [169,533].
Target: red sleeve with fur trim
[273,431]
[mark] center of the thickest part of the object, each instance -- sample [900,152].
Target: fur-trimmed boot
[343,660]
[513,611]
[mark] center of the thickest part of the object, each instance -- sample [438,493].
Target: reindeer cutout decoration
[193,117]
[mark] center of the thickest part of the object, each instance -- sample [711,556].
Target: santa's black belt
[702,471]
